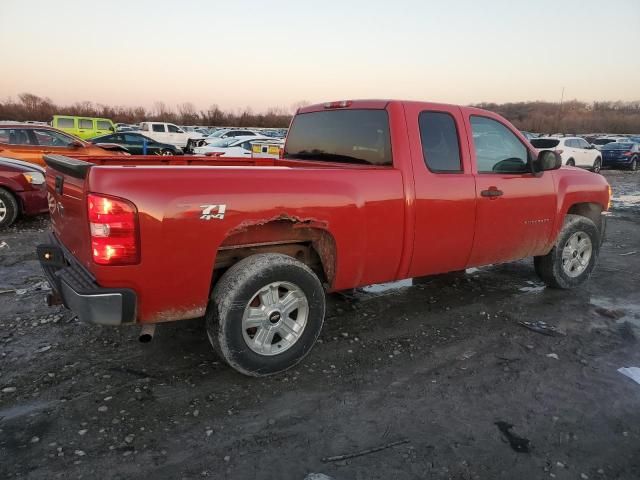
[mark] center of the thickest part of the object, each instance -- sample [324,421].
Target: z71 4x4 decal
[210,212]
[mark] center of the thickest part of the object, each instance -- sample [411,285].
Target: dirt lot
[437,364]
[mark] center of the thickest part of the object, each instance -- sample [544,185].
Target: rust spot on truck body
[306,239]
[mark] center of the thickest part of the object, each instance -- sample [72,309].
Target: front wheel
[597,165]
[634,164]
[265,314]
[573,257]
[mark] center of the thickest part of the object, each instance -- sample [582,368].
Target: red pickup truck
[366,192]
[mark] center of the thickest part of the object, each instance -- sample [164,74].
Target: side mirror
[547,160]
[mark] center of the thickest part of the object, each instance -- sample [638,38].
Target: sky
[261,54]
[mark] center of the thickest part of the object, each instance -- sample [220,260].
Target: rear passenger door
[86,128]
[444,189]
[515,209]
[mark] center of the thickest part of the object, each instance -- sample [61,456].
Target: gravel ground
[438,363]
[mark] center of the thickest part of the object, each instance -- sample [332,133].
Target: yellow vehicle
[267,148]
[83,127]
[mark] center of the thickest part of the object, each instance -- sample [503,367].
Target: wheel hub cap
[275,318]
[3,210]
[576,254]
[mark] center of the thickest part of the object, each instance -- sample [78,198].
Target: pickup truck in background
[366,192]
[169,133]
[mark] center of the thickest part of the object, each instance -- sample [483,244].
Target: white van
[168,133]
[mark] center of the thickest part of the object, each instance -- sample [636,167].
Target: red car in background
[22,190]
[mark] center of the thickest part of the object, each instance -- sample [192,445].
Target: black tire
[232,294]
[597,165]
[9,208]
[166,152]
[634,164]
[550,267]
[571,162]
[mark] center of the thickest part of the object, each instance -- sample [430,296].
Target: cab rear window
[347,136]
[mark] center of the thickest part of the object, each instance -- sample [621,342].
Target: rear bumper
[79,291]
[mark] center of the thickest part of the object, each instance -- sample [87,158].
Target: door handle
[492,193]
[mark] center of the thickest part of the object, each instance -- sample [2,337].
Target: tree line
[571,117]
[542,117]
[33,107]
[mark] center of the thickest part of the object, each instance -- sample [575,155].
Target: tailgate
[67,204]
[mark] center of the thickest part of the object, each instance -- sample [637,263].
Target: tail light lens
[114,230]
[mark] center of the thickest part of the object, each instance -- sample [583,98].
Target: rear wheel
[573,257]
[597,165]
[634,164]
[9,208]
[571,162]
[166,152]
[265,314]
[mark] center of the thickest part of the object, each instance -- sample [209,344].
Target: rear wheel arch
[305,240]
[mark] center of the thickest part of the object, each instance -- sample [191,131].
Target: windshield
[348,136]
[544,142]
[602,141]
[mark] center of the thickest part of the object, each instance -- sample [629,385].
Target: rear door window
[66,123]
[15,136]
[440,145]
[85,124]
[359,136]
[158,127]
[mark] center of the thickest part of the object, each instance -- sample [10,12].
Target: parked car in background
[621,154]
[574,151]
[22,190]
[137,144]
[601,141]
[226,133]
[528,135]
[229,147]
[31,142]
[83,127]
[168,133]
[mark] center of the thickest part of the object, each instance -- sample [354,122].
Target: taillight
[609,199]
[114,230]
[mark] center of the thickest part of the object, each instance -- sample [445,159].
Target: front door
[445,200]
[515,208]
